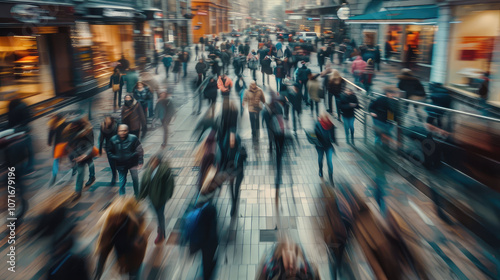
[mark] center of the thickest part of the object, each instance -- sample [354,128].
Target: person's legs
[122,175]
[55,169]
[330,109]
[263,78]
[184,67]
[351,128]
[160,214]
[115,97]
[337,105]
[165,133]
[112,165]
[346,129]
[150,108]
[329,162]
[306,93]
[80,168]
[317,109]
[135,180]
[320,160]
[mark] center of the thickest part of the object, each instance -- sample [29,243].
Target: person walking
[349,102]
[156,60]
[131,79]
[164,111]
[321,55]
[196,50]
[18,118]
[253,63]
[80,137]
[124,64]
[357,68]
[116,84]
[336,86]
[177,66]
[325,131]
[144,96]
[158,185]
[126,150]
[109,128]
[132,115]
[240,86]
[367,76]
[167,62]
[302,77]
[56,127]
[225,84]
[280,74]
[384,110]
[185,60]
[254,97]
[266,69]
[235,156]
[414,89]
[388,51]
[315,92]
[210,93]
[378,58]
[201,69]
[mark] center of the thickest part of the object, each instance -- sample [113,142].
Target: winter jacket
[164,110]
[225,86]
[19,114]
[345,104]
[279,71]
[358,66]
[385,108]
[144,95]
[246,49]
[321,57]
[302,73]
[177,66]
[159,188]
[201,67]
[262,54]
[106,134]
[80,143]
[131,80]
[254,96]
[167,61]
[211,90]
[266,66]
[239,85]
[325,131]
[253,62]
[133,116]
[411,85]
[314,88]
[127,153]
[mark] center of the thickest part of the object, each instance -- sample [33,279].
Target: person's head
[391,91]
[140,86]
[201,60]
[349,91]
[123,56]
[108,120]
[116,71]
[129,100]
[253,85]
[406,71]
[123,131]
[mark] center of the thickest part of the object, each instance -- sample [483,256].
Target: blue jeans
[349,125]
[278,84]
[55,167]
[122,174]
[329,162]
[184,67]
[80,169]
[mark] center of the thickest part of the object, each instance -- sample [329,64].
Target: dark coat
[321,57]
[325,137]
[133,116]
[160,188]
[126,153]
[80,143]
[164,110]
[106,134]
[345,101]
[200,67]
[411,85]
[116,79]
[266,66]
[336,89]
[381,106]
[19,113]
[279,71]
[302,73]
[210,91]
[144,95]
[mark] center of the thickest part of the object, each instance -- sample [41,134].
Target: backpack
[190,231]
[253,63]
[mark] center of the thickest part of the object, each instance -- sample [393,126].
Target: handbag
[116,87]
[60,150]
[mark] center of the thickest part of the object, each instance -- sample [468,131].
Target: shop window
[394,37]
[420,38]
[24,70]
[472,45]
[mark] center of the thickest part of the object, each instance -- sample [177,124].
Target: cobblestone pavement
[450,252]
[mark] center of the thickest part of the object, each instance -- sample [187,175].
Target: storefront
[474,34]
[35,52]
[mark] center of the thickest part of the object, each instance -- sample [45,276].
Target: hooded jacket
[254,96]
[159,188]
[314,88]
[411,85]
[133,116]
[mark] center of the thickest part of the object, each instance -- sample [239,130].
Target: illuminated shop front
[35,52]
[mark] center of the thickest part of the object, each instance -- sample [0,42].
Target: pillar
[440,54]
[494,86]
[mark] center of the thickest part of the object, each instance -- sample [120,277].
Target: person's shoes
[330,177]
[352,141]
[159,238]
[52,181]
[76,196]
[73,172]
[321,173]
[90,182]
[163,145]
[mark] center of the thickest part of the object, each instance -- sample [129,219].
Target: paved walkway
[449,252]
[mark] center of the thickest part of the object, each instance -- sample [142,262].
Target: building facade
[210,17]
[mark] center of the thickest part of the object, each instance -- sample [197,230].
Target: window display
[472,43]
[394,36]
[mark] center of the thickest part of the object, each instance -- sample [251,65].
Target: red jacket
[225,87]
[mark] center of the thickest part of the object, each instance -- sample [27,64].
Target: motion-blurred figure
[158,184]
[56,127]
[348,103]
[133,116]
[123,229]
[164,111]
[109,128]
[325,132]
[254,97]
[19,116]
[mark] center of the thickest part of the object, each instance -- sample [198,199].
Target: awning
[412,14]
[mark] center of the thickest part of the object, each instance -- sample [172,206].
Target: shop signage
[294,17]
[369,27]
[197,27]
[30,13]
[344,13]
[158,15]
[117,13]
[202,13]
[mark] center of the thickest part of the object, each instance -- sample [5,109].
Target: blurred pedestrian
[315,92]
[234,158]
[124,64]
[348,103]
[210,93]
[126,150]
[384,110]
[367,76]
[302,77]
[80,135]
[142,93]
[240,86]
[185,60]
[325,131]
[336,86]
[18,118]
[164,111]
[266,69]
[123,229]
[57,123]
[225,84]
[378,58]
[131,79]
[177,66]
[132,115]
[321,55]
[109,128]
[158,185]
[279,73]
[253,64]
[167,62]
[201,69]
[254,97]
[414,90]
[116,82]
[357,68]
